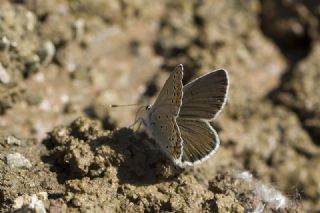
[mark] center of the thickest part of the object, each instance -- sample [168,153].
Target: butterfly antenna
[123,105]
[136,119]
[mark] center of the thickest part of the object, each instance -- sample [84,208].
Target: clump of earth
[63,63]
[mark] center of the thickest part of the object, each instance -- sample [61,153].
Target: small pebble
[4,76]
[12,140]
[31,203]
[4,43]
[47,52]
[79,28]
[31,21]
[16,160]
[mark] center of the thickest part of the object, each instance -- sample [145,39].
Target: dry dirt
[62,149]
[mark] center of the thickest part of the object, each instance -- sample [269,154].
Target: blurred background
[62,59]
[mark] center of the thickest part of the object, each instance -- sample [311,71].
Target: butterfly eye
[148,107]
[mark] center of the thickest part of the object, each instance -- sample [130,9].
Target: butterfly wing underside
[163,115]
[204,97]
[199,140]
[202,101]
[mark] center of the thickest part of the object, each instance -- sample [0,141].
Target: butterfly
[179,118]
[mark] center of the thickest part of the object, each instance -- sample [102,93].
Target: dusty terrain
[62,149]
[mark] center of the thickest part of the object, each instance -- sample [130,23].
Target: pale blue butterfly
[179,118]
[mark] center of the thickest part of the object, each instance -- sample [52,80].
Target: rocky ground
[62,63]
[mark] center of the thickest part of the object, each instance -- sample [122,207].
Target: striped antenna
[123,105]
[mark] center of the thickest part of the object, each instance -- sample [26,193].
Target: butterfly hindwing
[167,132]
[200,140]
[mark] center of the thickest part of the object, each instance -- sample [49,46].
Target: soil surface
[62,63]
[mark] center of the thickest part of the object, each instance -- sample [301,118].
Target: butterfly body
[179,118]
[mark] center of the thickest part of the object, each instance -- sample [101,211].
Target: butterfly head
[145,115]
[142,114]
[148,107]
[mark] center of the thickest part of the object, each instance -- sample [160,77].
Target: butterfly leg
[139,126]
[136,130]
[134,123]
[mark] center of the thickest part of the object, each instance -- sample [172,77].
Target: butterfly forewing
[164,113]
[170,96]
[204,97]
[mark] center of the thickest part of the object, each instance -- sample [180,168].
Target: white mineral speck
[12,140]
[45,105]
[31,21]
[64,98]
[16,160]
[31,203]
[4,76]
[49,50]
